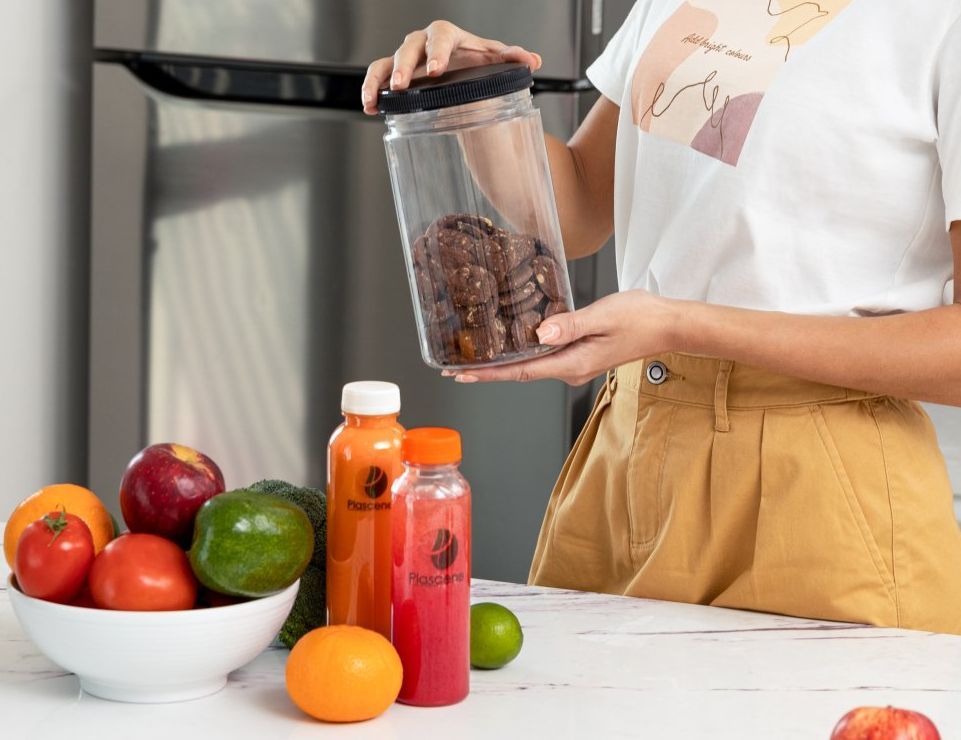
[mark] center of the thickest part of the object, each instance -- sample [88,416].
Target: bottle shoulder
[418,483]
[374,437]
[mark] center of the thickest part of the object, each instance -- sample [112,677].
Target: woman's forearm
[584,212]
[911,355]
[582,173]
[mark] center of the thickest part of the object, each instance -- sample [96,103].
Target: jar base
[540,350]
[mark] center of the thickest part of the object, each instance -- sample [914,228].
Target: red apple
[884,723]
[163,487]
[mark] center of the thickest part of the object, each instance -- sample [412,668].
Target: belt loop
[611,381]
[721,421]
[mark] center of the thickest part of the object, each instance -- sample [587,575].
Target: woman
[784,185]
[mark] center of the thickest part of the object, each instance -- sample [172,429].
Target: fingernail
[547,332]
[465,379]
[396,79]
[432,66]
[366,98]
[447,373]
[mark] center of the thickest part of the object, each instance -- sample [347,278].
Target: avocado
[310,607]
[248,544]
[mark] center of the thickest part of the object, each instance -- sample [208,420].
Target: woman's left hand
[616,329]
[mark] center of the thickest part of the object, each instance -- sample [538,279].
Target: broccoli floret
[310,607]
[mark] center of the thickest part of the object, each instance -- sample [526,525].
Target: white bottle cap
[370,398]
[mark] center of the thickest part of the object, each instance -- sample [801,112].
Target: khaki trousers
[704,481]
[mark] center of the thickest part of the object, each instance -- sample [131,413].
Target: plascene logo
[443,554]
[373,482]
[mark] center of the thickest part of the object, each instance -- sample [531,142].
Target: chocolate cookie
[469,223]
[516,278]
[530,304]
[523,330]
[519,295]
[442,341]
[548,277]
[471,285]
[477,228]
[555,307]
[447,238]
[495,260]
[506,252]
[454,248]
[518,248]
[419,252]
[482,344]
[442,310]
[427,260]
[482,314]
[456,256]
[425,287]
[534,303]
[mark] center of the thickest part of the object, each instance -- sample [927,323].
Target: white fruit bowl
[152,657]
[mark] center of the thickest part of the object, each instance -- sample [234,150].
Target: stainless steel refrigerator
[245,254]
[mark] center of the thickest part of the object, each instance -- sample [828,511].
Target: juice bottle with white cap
[363,459]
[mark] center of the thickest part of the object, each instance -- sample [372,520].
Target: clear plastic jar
[475,204]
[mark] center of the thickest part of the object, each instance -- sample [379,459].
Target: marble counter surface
[593,666]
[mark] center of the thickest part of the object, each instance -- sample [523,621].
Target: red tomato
[53,557]
[142,572]
[83,599]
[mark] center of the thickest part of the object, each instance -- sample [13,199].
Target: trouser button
[656,373]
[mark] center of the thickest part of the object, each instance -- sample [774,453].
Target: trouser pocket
[815,554]
[585,539]
[880,494]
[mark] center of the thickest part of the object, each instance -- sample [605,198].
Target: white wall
[44,145]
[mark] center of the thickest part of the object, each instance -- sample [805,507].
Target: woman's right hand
[434,50]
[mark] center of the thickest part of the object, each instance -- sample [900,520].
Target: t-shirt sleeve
[610,71]
[949,121]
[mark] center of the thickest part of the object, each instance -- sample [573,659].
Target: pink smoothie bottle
[430,540]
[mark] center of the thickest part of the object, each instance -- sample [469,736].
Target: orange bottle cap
[431,446]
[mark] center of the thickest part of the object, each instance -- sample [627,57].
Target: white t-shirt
[804,160]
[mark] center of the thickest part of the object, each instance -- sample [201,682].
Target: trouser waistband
[723,385]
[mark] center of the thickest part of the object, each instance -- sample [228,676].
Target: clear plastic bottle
[431,569]
[475,203]
[363,460]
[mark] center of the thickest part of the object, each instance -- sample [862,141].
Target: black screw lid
[459,87]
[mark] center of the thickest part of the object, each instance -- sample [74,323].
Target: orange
[74,499]
[343,673]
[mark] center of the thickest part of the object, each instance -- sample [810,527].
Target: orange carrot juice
[363,459]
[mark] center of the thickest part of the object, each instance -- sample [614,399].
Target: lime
[495,635]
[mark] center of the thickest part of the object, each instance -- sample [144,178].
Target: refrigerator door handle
[242,81]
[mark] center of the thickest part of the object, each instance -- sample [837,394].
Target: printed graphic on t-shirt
[706,70]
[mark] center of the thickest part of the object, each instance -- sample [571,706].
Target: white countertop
[592,666]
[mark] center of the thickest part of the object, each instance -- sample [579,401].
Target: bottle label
[443,556]
[371,485]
